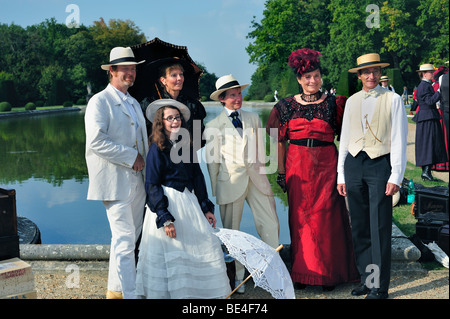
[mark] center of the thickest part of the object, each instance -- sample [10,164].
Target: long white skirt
[189,266]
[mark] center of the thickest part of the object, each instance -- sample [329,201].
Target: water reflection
[43,160]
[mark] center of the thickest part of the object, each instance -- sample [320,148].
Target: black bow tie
[235,119]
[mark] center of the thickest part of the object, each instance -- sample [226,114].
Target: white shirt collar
[123,96]
[128,102]
[231,111]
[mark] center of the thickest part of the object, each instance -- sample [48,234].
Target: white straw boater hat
[368,61]
[384,78]
[224,83]
[121,56]
[426,67]
[395,199]
[156,105]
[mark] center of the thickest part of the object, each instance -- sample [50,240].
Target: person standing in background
[405,96]
[444,102]
[430,143]
[384,82]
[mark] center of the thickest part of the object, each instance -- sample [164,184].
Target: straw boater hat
[368,61]
[224,83]
[426,67]
[121,56]
[384,78]
[395,199]
[156,105]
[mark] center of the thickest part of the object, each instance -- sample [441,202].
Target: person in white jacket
[116,148]
[234,154]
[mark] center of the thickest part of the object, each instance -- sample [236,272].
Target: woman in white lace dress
[179,257]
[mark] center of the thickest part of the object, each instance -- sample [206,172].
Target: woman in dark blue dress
[429,137]
[179,257]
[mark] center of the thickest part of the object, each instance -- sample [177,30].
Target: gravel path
[91,284]
[434,285]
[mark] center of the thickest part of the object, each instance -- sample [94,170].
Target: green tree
[398,29]
[7,89]
[115,33]
[260,86]
[287,25]
[52,84]
[82,63]
[434,35]
[22,55]
[77,82]
[72,56]
[407,34]
[207,82]
[350,36]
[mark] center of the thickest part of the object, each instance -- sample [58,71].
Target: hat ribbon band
[368,63]
[228,85]
[129,59]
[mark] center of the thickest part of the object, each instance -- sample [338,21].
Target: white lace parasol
[262,262]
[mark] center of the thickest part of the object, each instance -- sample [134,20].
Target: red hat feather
[304,60]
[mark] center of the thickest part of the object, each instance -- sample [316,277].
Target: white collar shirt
[231,111]
[128,102]
[399,134]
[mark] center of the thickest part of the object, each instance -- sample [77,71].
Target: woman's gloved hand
[281,180]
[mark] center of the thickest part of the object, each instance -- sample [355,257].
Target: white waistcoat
[376,141]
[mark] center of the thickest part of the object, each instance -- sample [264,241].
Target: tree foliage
[407,34]
[45,57]
[54,63]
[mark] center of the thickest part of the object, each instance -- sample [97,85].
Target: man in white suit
[116,149]
[234,153]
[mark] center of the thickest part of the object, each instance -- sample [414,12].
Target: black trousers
[371,216]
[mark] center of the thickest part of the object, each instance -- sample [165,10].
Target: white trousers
[125,220]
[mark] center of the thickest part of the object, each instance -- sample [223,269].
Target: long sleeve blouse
[427,99]
[161,170]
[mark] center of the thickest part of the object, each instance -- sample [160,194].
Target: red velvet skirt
[321,242]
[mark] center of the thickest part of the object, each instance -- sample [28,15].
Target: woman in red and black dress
[321,244]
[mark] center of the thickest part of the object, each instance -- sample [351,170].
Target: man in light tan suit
[234,152]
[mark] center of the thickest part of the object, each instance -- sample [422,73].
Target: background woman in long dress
[430,143]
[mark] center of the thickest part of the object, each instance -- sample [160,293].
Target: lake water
[42,158]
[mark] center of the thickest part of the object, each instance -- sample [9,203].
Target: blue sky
[213,30]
